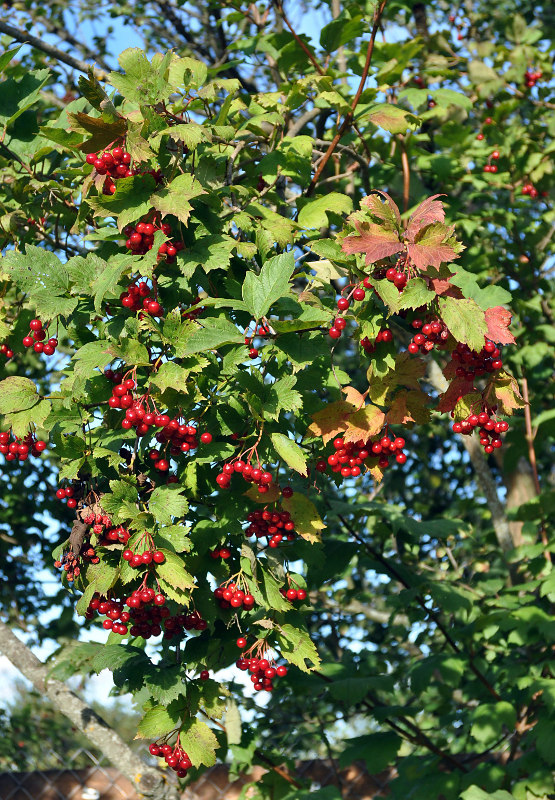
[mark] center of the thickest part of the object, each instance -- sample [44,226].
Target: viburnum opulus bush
[205,406]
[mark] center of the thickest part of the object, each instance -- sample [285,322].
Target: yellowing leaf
[364,424]
[303,513]
[331,420]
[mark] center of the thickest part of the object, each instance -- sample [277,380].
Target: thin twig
[27,38]
[348,121]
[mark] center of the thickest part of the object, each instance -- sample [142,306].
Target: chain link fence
[80,775]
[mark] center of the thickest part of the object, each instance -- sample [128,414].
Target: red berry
[343,304]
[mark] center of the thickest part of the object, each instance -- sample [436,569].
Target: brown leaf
[498,320]
[103,133]
[331,420]
[431,246]
[375,241]
[430,210]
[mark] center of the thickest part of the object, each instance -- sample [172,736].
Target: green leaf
[166,684]
[130,202]
[297,647]
[17,95]
[173,572]
[143,82]
[131,351]
[490,720]
[93,355]
[215,333]
[448,97]
[340,32]
[7,56]
[157,721]
[21,421]
[170,374]
[377,750]
[290,452]
[199,742]
[116,655]
[465,320]
[476,793]
[107,281]
[174,199]
[282,397]
[414,295]
[261,291]
[166,502]
[17,394]
[313,213]
[392,118]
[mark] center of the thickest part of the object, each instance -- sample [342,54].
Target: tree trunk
[149,782]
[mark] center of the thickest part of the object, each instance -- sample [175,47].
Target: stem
[530,436]
[348,121]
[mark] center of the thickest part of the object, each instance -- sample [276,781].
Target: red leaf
[374,241]
[498,320]
[456,389]
[430,210]
[430,248]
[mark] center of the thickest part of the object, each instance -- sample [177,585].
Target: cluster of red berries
[116,615]
[274,525]
[221,552]
[175,757]
[6,351]
[119,534]
[64,493]
[138,298]
[140,239]
[489,167]
[231,596]
[182,438]
[251,474]
[529,189]
[431,334]
[116,164]
[35,339]
[138,560]
[263,671]
[174,626]
[293,594]
[490,429]
[20,449]
[384,335]
[350,456]
[531,78]
[473,364]
[397,276]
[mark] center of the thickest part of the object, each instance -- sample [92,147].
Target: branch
[150,782]
[27,38]
[348,121]
[485,479]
